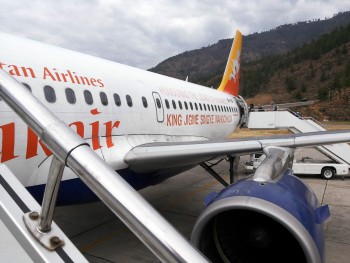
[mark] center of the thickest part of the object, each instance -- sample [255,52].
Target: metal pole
[148,225]
[214,174]
[50,195]
[234,162]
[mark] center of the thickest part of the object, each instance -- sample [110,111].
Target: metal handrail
[305,118]
[315,121]
[141,218]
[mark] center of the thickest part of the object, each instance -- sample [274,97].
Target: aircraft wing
[154,156]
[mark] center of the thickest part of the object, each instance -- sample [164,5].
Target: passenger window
[117,100]
[191,106]
[167,104]
[50,94]
[104,99]
[27,86]
[180,105]
[144,102]
[205,107]
[159,105]
[208,107]
[200,106]
[88,97]
[70,96]
[174,105]
[195,105]
[128,100]
[212,107]
[186,106]
[216,108]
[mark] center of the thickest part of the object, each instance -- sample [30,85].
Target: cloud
[143,33]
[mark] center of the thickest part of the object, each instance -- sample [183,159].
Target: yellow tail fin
[230,81]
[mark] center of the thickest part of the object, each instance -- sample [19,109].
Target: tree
[303,88]
[290,83]
[323,94]
[298,96]
[323,76]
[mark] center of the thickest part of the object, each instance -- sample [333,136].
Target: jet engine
[279,220]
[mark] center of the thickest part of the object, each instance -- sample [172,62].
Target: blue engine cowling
[249,221]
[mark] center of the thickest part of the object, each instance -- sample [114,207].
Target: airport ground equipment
[305,165]
[16,201]
[287,119]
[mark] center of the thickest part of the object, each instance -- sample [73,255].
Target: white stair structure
[15,201]
[289,120]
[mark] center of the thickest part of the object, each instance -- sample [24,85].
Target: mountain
[206,65]
[303,61]
[317,70]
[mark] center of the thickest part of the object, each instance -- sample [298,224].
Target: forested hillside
[301,67]
[206,65]
[321,66]
[316,71]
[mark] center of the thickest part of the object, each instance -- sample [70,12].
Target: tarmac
[102,237]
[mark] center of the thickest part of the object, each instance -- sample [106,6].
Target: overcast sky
[144,33]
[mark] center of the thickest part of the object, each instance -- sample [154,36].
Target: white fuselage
[114,128]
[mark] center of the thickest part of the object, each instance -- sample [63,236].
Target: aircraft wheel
[327,173]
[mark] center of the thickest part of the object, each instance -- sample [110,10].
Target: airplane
[149,127]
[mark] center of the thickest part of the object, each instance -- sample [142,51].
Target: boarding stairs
[33,226]
[287,119]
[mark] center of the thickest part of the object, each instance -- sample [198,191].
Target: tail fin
[230,81]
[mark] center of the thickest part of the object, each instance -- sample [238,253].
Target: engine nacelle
[275,221]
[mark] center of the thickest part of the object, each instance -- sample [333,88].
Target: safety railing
[315,121]
[71,150]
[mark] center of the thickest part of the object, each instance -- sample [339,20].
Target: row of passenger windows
[200,106]
[50,97]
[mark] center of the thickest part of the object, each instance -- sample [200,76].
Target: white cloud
[143,33]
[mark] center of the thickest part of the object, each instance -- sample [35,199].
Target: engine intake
[250,221]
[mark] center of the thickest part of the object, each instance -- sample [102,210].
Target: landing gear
[233,161]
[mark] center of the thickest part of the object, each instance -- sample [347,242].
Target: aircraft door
[159,106]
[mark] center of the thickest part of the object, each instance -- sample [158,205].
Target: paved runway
[103,238]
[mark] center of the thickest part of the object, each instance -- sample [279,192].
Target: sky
[144,33]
